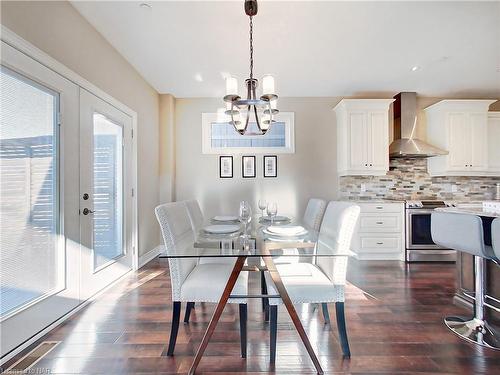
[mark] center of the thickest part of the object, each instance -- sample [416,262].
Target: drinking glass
[272,210]
[262,206]
[245,216]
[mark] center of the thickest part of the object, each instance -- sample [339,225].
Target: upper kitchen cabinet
[494,143]
[462,128]
[363,136]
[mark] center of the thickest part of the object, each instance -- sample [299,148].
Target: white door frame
[15,41]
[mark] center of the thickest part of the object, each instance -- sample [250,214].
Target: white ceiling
[313,48]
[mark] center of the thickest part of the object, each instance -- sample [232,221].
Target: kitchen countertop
[372,200]
[470,210]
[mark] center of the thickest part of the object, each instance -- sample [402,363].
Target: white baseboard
[150,255]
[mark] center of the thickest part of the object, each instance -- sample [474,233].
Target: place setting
[271,216]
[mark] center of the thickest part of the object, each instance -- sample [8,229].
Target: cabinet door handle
[379,222]
[379,208]
[380,243]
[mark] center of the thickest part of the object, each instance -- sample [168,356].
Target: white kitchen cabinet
[494,142]
[461,128]
[363,136]
[379,233]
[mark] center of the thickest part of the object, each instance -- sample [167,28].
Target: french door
[39,221]
[105,193]
[65,196]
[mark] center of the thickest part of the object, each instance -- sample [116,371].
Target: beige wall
[309,172]
[167,148]
[60,31]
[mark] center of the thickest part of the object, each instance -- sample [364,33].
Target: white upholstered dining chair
[323,282]
[314,212]
[197,220]
[195,215]
[313,215]
[192,282]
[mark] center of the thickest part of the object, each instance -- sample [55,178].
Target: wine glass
[262,206]
[272,210]
[245,216]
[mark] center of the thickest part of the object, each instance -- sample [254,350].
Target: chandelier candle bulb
[268,85]
[231,86]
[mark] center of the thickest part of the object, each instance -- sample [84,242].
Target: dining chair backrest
[195,214]
[178,237]
[335,236]
[495,236]
[459,232]
[314,213]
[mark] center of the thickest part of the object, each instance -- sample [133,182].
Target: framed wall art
[225,166]
[270,166]
[248,167]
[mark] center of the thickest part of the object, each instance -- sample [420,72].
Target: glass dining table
[261,243]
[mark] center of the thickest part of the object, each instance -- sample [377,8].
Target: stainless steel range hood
[405,145]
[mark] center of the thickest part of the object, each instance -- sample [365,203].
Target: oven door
[418,229]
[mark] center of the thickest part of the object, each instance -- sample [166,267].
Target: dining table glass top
[285,238]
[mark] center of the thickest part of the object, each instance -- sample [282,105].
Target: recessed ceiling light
[198,77]
[145,6]
[415,68]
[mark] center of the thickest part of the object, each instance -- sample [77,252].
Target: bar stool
[463,232]
[495,236]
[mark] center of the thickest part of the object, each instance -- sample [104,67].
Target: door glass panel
[31,260]
[108,186]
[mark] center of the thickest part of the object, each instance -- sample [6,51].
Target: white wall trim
[150,255]
[22,45]
[206,127]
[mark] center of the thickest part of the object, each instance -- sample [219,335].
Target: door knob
[86,211]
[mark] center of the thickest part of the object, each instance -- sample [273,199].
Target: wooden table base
[238,267]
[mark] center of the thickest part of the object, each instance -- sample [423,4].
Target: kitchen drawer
[380,244]
[380,223]
[381,207]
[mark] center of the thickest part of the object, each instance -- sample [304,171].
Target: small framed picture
[248,166]
[270,166]
[225,166]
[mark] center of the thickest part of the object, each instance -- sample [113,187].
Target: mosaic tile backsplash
[408,179]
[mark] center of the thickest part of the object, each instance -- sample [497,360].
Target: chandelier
[262,109]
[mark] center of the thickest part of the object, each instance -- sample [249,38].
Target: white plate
[221,229]
[276,218]
[225,218]
[287,230]
[284,236]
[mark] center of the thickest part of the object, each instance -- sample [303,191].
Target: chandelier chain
[251,47]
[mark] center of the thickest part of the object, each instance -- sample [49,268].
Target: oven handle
[413,211]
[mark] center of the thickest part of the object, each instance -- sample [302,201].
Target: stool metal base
[475,330]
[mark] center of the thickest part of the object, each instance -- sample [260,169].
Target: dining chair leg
[326,314]
[187,314]
[243,329]
[265,301]
[339,311]
[176,314]
[238,266]
[273,310]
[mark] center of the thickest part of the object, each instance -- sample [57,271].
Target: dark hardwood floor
[394,319]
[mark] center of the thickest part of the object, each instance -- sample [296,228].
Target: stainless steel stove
[419,244]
